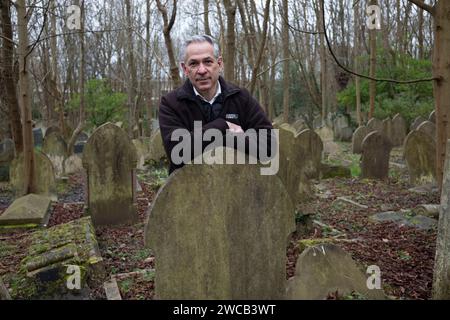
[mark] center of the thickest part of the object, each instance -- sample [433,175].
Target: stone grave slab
[31,209]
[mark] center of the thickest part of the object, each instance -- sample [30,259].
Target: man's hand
[234,128]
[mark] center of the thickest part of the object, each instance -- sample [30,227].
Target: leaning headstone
[312,148]
[38,137]
[376,150]
[375,124]
[56,257]
[398,130]
[45,176]
[358,137]
[428,128]
[109,159]
[417,121]
[29,210]
[441,279]
[420,156]
[325,269]
[56,149]
[235,250]
[432,117]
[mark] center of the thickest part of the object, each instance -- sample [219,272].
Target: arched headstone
[45,175]
[429,128]
[432,116]
[417,121]
[157,152]
[56,149]
[376,150]
[375,124]
[226,242]
[420,155]
[110,158]
[312,148]
[358,137]
[399,130]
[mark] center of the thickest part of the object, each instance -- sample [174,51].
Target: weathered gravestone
[420,155]
[52,129]
[311,147]
[429,128]
[342,129]
[110,159]
[398,130]
[4,293]
[234,250]
[29,210]
[55,255]
[417,121]
[143,152]
[387,129]
[376,150]
[324,269]
[291,165]
[441,278]
[157,152]
[45,175]
[432,117]
[358,137]
[38,137]
[375,124]
[7,153]
[56,150]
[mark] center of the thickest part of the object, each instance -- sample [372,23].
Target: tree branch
[423,5]
[362,75]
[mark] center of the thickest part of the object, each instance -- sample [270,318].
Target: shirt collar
[218,91]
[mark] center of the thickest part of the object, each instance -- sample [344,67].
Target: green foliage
[410,100]
[102,104]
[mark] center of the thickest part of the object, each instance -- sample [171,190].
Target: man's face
[202,68]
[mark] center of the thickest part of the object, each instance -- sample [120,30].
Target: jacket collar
[187,90]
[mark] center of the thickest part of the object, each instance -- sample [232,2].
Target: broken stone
[428,210]
[325,269]
[31,209]
[348,201]
[404,219]
[112,290]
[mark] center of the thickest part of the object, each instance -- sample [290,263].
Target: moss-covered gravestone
[56,150]
[226,241]
[323,269]
[387,129]
[375,124]
[7,153]
[52,129]
[73,164]
[110,159]
[399,130]
[376,149]
[45,176]
[27,211]
[358,136]
[420,156]
[55,258]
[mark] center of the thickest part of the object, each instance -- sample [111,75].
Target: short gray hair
[199,39]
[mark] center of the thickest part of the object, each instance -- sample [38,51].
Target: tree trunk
[168,25]
[25,101]
[230,50]
[356,65]
[285,41]
[373,67]
[7,68]
[206,17]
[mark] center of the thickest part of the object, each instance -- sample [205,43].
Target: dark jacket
[180,108]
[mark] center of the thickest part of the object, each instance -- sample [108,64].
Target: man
[207,97]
